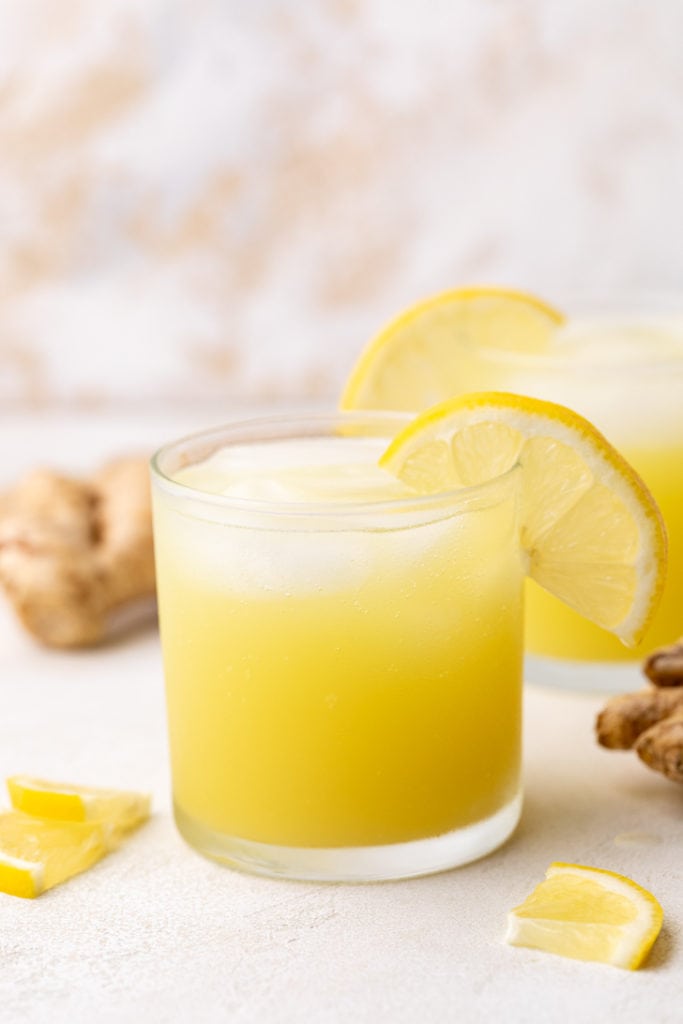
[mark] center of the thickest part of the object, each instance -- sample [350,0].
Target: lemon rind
[34,869]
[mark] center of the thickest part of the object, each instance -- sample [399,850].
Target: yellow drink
[626,376]
[343,660]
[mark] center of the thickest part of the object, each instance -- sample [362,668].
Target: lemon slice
[588,914]
[592,532]
[421,357]
[36,854]
[119,810]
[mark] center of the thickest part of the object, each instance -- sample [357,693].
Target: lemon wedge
[588,914]
[36,854]
[422,356]
[591,530]
[118,810]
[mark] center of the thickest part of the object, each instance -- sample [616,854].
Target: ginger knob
[72,551]
[650,721]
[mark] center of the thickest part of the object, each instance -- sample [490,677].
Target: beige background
[203,200]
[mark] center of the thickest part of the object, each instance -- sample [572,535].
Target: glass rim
[648,364]
[645,306]
[454,498]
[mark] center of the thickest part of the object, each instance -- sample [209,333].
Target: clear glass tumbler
[343,674]
[620,364]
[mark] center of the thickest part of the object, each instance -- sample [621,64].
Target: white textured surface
[202,198]
[156,933]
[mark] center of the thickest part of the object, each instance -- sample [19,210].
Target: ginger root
[665,667]
[72,551]
[651,720]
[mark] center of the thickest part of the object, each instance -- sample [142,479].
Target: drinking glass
[343,676]
[620,364]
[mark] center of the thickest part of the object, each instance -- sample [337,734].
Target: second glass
[621,366]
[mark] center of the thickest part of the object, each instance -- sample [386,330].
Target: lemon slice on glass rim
[421,357]
[591,530]
[588,914]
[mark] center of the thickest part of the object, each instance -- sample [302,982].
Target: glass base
[359,863]
[585,676]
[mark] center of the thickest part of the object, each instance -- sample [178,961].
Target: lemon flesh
[422,357]
[36,854]
[118,810]
[588,914]
[592,532]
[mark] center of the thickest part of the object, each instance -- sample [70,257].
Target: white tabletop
[156,933]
